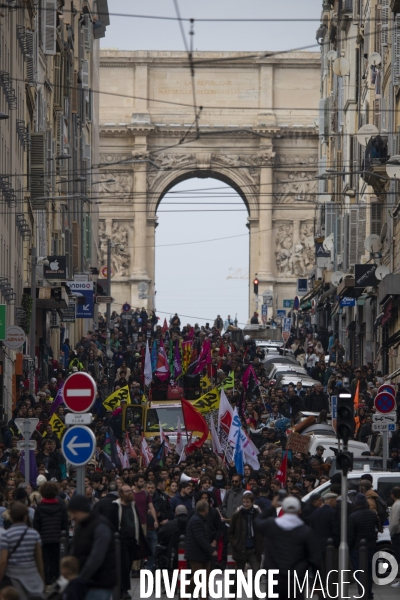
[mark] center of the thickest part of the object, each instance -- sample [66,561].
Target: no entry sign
[79,392]
[384,402]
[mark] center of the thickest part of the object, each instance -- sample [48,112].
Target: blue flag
[238,458]
[154,355]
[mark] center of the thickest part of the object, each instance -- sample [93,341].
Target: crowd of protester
[200,495]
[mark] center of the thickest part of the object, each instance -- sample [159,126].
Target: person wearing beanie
[363,524]
[93,545]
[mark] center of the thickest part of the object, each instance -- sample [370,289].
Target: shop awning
[391,341]
[389,286]
[50,298]
[325,295]
[311,294]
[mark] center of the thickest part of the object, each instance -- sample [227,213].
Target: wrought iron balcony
[9,91]
[23,134]
[376,157]
[22,41]
[8,192]
[23,226]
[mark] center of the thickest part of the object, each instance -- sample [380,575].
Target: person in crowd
[363,525]
[198,549]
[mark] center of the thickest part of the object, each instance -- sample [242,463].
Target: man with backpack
[375,502]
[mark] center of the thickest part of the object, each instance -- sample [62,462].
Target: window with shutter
[375,217]
[30,56]
[87,32]
[338,235]
[377,30]
[85,74]
[396,42]
[38,170]
[50,10]
[76,262]
[377,113]
[346,242]
[74,94]
[353,237]
[57,81]
[330,216]
[385,22]
[361,231]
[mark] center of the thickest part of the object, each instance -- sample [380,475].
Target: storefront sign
[2,321]
[15,337]
[56,269]
[364,275]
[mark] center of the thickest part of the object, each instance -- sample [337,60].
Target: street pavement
[380,592]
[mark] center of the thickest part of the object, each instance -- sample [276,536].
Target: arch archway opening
[202,251]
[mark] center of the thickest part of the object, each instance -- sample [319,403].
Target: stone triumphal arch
[257,132]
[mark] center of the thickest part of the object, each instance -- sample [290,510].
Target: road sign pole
[27,435]
[385,447]
[343,548]
[80,480]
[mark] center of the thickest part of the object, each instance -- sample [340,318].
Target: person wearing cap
[289,545]
[243,535]
[363,524]
[94,547]
[319,454]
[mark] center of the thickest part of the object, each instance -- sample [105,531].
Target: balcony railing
[376,157]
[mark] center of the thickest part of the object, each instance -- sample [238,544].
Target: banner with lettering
[114,400]
[208,402]
[57,425]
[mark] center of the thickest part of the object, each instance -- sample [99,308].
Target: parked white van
[328,442]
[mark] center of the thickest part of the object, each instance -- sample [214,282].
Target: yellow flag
[229,382]
[114,400]
[208,402]
[57,425]
[205,383]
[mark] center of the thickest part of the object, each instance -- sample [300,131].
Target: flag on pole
[158,459]
[162,370]
[225,416]
[147,455]
[129,449]
[177,362]
[282,473]
[154,356]
[194,421]
[216,445]
[165,326]
[204,358]
[186,354]
[122,456]
[148,371]
[179,438]
[57,425]
[58,400]
[114,400]
[110,453]
[238,455]
[356,397]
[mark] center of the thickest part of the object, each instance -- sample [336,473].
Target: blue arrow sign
[78,445]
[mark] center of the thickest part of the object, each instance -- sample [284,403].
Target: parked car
[283,380]
[276,369]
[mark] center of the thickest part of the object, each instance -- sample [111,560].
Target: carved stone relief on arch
[295,184]
[121,236]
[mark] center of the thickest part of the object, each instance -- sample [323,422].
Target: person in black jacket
[325,525]
[199,551]
[363,524]
[93,545]
[307,508]
[318,400]
[104,505]
[288,545]
[169,535]
[215,527]
[50,520]
[161,502]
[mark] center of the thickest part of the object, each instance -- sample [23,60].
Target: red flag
[194,421]
[162,370]
[129,449]
[282,473]
[165,326]
[204,358]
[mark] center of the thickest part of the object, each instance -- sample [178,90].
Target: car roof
[376,475]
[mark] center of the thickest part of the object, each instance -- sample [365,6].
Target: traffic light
[255,284]
[344,461]
[345,415]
